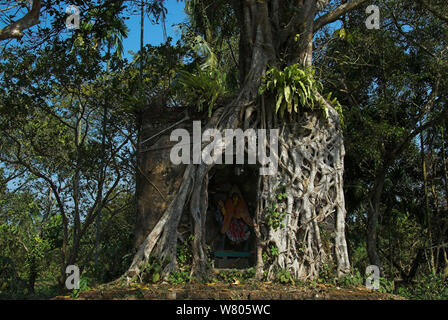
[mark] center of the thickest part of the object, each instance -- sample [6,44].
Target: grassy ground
[221,291]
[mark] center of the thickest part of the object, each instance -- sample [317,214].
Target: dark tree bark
[373,214]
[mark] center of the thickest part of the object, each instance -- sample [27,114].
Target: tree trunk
[427,209]
[444,162]
[373,214]
[33,273]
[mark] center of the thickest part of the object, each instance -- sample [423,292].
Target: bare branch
[15,29]
[400,30]
[9,8]
[426,109]
[334,15]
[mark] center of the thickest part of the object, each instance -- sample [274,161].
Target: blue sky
[154,33]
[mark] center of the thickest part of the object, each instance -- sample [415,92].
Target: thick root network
[306,195]
[307,227]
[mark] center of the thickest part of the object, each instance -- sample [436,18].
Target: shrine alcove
[225,180]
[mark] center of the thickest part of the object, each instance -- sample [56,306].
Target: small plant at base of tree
[83,286]
[179,276]
[284,277]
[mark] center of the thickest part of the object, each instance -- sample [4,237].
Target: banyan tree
[299,209]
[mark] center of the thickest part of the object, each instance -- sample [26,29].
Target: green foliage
[337,106]
[230,276]
[386,285]
[275,216]
[354,279]
[327,274]
[184,253]
[284,277]
[345,35]
[116,247]
[249,273]
[357,279]
[184,258]
[24,246]
[83,286]
[293,88]
[179,276]
[265,257]
[212,76]
[10,282]
[429,287]
[281,196]
[203,88]
[296,89]
[274,251]
[151,271]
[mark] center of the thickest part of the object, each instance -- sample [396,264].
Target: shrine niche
[229,223]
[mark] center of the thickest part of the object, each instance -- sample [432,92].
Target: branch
[50,182]
[440,117]
[400,30]
[334,15]
[9,8]
[15,29]
[436,13]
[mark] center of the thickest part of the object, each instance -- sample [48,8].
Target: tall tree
[390,82]
[280,35]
